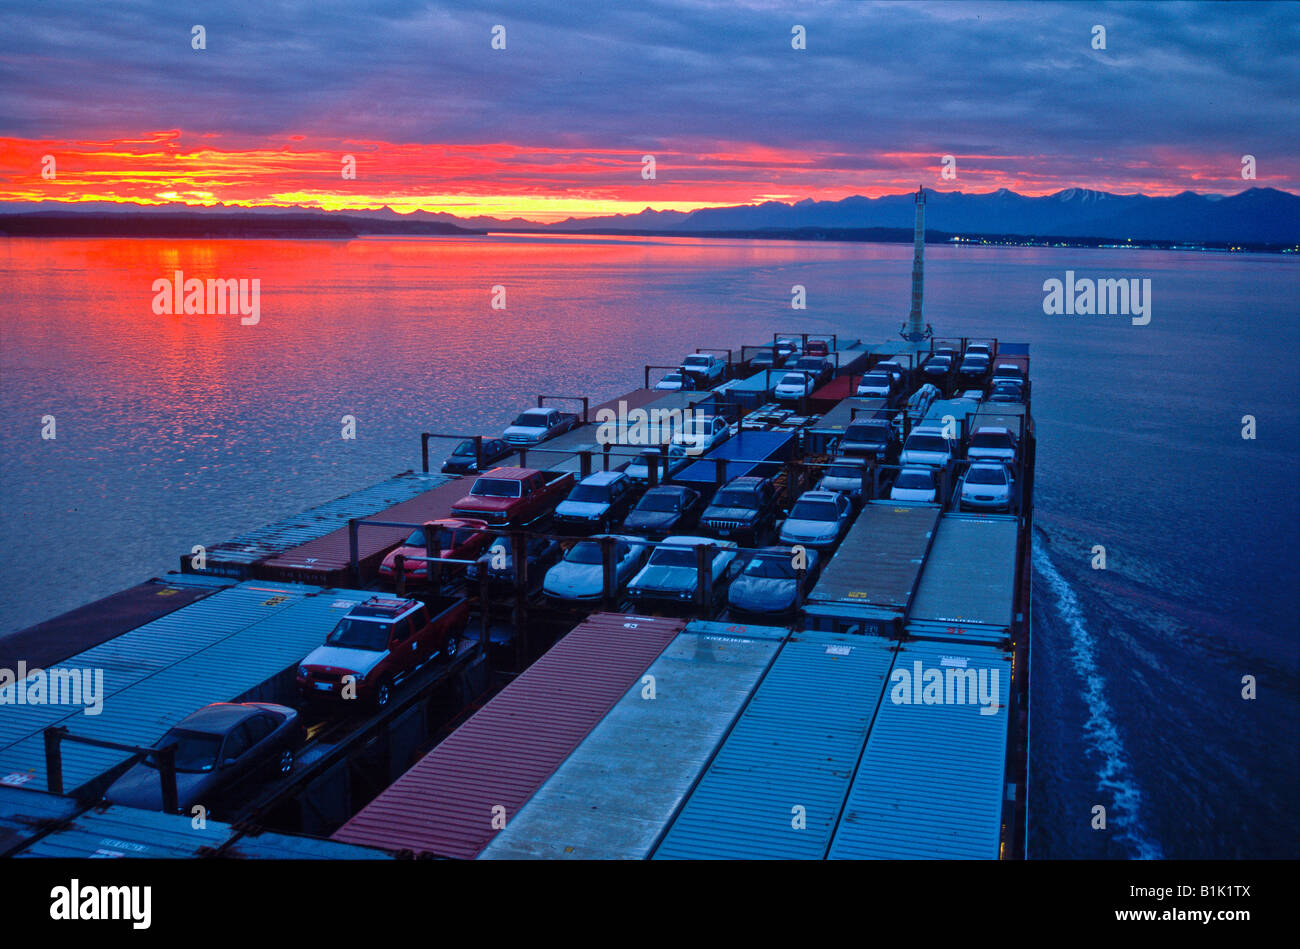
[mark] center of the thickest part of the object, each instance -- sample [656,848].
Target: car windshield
[673,557]
[792,379]
[986,475]
[495,488]
[844,471]
[586,551]
[360,634]
[991,440]
[916,479]
[594,493]
[976,361]
[770,567]
[658,503]
[747,499]
[940,362]
[814,511]
[531,420]
[927,443]
[196,752]
[695,361]
[466,448]
[875,380]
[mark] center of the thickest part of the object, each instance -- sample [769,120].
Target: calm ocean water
[173,431]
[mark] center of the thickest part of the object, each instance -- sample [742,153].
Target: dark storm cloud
[1017,80]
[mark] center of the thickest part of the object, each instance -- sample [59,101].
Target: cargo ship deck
[886,715]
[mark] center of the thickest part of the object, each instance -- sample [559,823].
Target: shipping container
[968,584]
[746,453]
[453,802]
[753,390]
[776,786]
[616,792]
[243,644]
[932,781]
[77,630]
[116,831]
[236,558]
[870,582]
[991,419]
[142,652]
[960,410]
[325,561]
[26,815]
[268,846]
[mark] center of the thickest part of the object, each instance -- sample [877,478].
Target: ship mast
[914,331]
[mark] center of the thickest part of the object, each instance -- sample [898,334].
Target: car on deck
[580,576]
[448,538]
[217,747]
[769,583]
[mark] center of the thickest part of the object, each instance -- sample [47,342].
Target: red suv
[378,644]
[452,538]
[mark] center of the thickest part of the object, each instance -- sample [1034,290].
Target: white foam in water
[1099,729]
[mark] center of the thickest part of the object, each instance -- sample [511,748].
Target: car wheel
[286,761]
[450,648]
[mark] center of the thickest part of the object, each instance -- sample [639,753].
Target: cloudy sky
[557,122]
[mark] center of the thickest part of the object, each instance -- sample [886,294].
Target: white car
[992,443]
[975,395]
[701,433]
[877,385]
[926,446]
[677,460]
[707,370]
[580,576]
[845,476]
[986,486]
[818,519]
[915,484]
[919,402]
[537,425]
[671,572]
[979,349]
[794,385]
[675,381]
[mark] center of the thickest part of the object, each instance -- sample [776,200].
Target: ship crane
[914,331]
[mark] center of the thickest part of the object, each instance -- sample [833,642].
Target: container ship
[773,606]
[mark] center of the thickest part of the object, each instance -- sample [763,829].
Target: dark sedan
[768,586]
[464,460]
[216,747]
[665,510]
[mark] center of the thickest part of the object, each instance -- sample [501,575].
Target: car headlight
[302,672]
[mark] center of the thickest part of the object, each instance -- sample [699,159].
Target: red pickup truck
[448,537]
[514,496]
[378,644]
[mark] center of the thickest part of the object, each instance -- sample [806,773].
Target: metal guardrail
[165,756]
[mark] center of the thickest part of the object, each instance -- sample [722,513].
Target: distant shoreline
[349,227]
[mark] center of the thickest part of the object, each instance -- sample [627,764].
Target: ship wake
[1100,734]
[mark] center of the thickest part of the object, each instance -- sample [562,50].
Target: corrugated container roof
[794,746]
[330,552]
[258,640]
[99,621]
[747,446]
[268,846]
[957,408]
[837,419]
[880,559]
[932,780]
[613,796]
[444,805]
[25,814]
[235,556]
[128,832]
[970,575]
[146,650]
